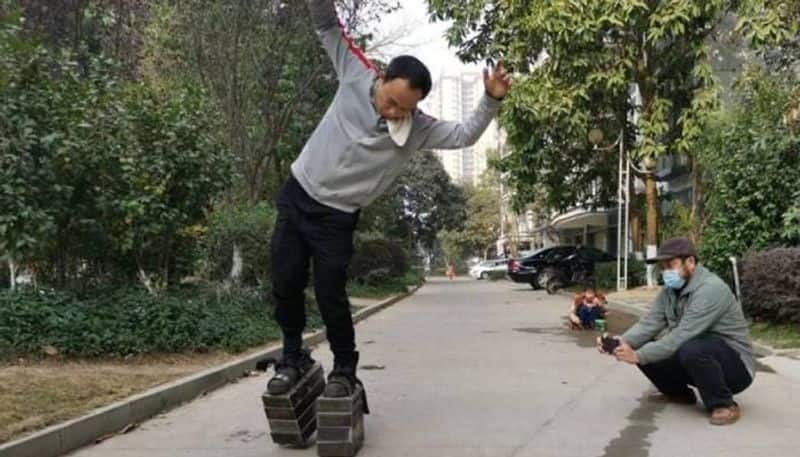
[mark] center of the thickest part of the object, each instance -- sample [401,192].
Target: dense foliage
[378,260]
[131,321]
[605,275]
[770,283]
[752,160]
[100,176]
[239,229]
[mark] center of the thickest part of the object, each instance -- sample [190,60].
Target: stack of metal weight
[293,417]
[341,424]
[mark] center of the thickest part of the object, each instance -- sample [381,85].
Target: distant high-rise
[453,98]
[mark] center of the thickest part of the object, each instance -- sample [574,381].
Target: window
[558,254]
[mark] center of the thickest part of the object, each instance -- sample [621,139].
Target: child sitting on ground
[587,308]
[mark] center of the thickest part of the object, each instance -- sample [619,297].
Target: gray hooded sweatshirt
[350,158]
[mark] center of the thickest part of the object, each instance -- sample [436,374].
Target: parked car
[485,268]
[556,267]
[575,268]
[526,269]
[474,261]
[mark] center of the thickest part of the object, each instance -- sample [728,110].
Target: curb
[68,436]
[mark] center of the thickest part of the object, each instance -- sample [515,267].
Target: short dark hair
[411,69]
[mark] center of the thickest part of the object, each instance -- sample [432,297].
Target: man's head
[678,260]
[405,83]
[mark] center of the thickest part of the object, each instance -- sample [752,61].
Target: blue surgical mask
[672,279]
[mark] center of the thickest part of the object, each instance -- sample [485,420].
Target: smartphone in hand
[609,343]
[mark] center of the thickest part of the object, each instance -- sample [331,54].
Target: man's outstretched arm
[455,135]
[348,59]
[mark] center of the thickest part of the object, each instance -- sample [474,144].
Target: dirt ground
[36,394]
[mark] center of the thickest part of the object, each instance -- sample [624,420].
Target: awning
[580,218]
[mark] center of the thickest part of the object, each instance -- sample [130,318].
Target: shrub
[378,260]
[248,227]
[791,221]
[391,286]
[605,274]
[121,322]
[398,260]
[676,219]
[770,284]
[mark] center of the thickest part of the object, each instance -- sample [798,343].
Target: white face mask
[400,129]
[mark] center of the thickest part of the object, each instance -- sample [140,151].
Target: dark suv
[556,267]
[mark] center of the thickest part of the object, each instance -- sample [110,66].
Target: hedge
[131,321]
[378,260]
[770,285]
[605,274]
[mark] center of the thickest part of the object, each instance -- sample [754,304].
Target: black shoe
[340,385]
[342,380]
[288,371]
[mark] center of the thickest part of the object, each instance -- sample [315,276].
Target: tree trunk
[76,34]
[34,281]
[236,264]
[636,233]
[636,224]
[12,271]
[652,224]
[166,256]
[145,280]
[698,197]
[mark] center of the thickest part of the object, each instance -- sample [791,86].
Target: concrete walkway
[475,368]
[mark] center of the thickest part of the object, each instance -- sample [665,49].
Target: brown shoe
[687,399]
[726,415]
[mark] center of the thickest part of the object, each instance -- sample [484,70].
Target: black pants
[709,364]
[306,229]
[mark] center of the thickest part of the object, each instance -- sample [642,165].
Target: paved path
[476,368]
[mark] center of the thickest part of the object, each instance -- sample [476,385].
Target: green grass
[392,287]
[779,336]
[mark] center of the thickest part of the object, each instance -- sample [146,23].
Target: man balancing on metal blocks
[369,131]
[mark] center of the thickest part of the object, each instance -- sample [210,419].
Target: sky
[425,40]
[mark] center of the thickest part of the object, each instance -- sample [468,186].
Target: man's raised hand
[498,82]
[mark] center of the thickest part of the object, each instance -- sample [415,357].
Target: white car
[483,269]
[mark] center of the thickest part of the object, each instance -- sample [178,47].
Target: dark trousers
[706,363]
[588,315]
[306,229]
